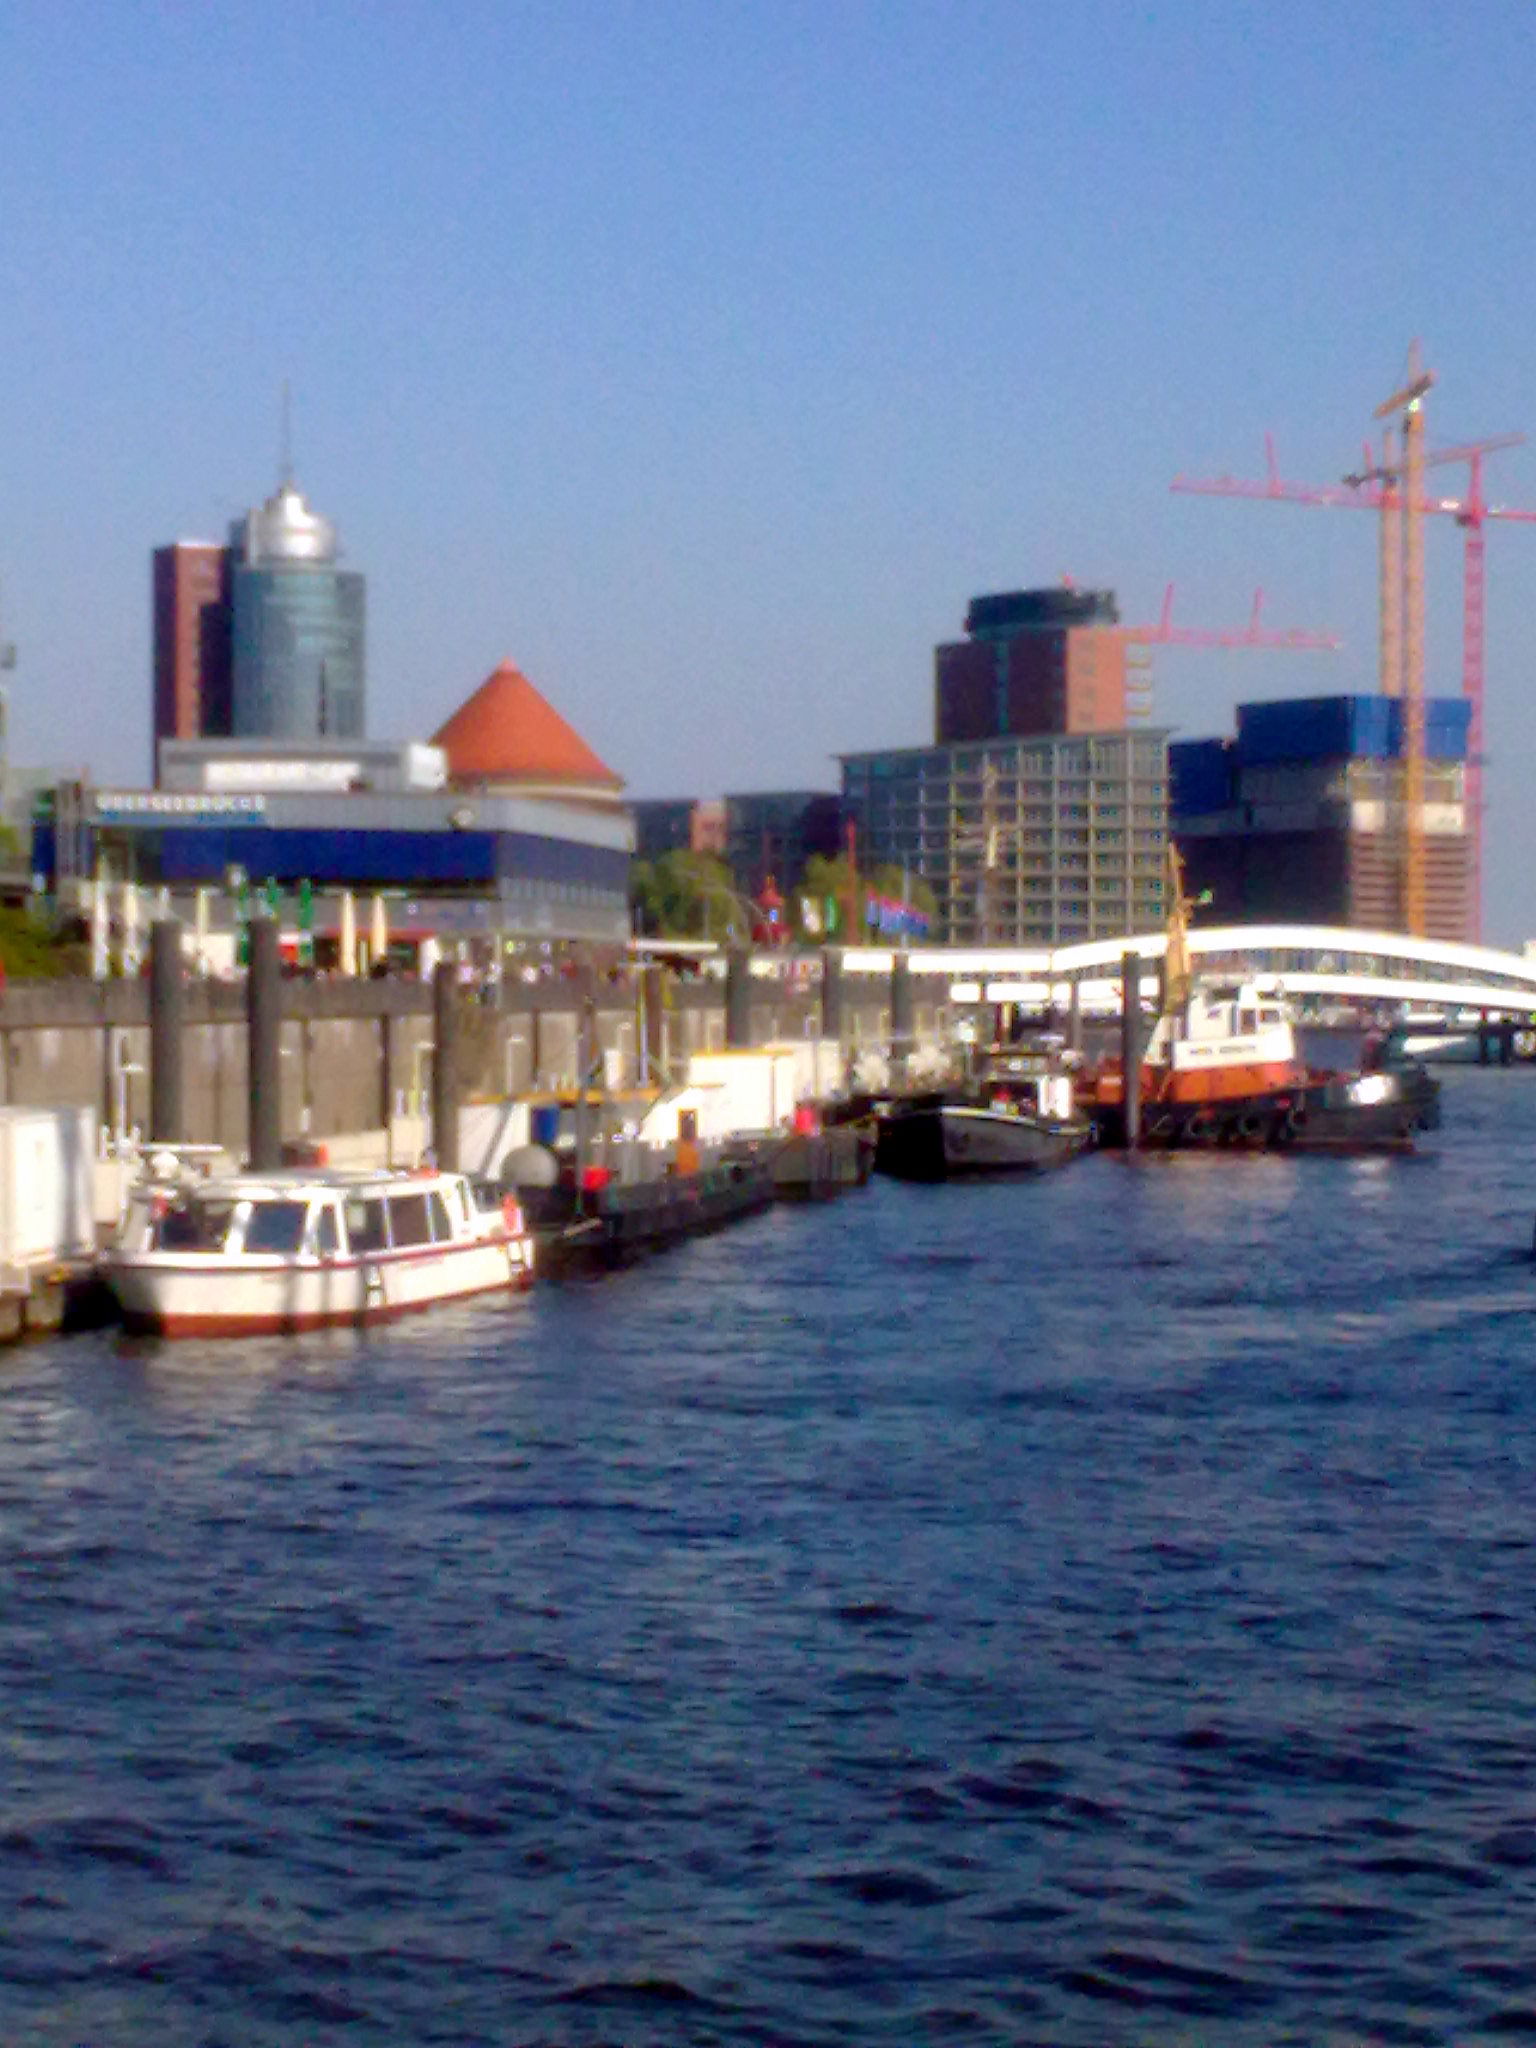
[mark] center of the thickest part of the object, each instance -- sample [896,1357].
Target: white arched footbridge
[1314,964]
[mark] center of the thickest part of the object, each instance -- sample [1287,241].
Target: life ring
[1202,1127]
[1250,1126]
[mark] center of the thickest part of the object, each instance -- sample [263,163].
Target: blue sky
[705,358]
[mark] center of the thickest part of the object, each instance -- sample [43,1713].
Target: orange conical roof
[508,732]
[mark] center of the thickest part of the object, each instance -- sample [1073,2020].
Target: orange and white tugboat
[1223,1067]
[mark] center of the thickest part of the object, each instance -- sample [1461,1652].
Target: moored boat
[256,1254]
[589,1218]
[1019,1115]
[1223,1067]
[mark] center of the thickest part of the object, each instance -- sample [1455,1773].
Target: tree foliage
[685,895]
[31,950]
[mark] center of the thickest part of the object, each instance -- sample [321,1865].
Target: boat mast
[1178,979]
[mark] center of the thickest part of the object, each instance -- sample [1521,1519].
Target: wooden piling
[1130,1046]
[167,1035]
[445,1065]
[903,1036]
[738,999]
[832,993]
[264,1031]
[653,1016]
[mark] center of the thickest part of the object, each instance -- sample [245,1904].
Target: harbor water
[1093,1611]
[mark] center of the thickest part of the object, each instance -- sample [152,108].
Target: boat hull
[623,1222]
[1326,1114]
[165,1295]
[815,1166]
[949,1140]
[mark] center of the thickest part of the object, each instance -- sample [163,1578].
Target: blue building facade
[521,867]
[299,653]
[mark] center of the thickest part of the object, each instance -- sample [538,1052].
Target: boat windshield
[275,1226]
[193,1226]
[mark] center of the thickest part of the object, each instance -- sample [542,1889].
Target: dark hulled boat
[1017,1116]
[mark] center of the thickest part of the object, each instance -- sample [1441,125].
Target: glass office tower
[298,627]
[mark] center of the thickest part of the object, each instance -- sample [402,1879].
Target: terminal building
[505,825]
[1298,818]
[1039,817]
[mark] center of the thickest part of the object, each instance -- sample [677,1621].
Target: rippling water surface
[1099,1611]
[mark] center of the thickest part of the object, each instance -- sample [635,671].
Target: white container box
[47,1185]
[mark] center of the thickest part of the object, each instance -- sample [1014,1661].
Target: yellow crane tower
[1402,630]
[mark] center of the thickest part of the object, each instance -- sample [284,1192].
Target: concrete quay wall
[357,1054]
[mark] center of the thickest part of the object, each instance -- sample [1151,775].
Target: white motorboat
[296,1250]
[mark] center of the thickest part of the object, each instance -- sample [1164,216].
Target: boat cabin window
[275,1226]
[193,1227]
[1268,1015]
[409,1222]
[367,1226]
[327,1232]
[442,1222]
[1247,1023]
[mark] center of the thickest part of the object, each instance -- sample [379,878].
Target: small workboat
[255,1253]
[1017,1116]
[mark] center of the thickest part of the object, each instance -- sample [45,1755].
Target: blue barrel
[544,1123]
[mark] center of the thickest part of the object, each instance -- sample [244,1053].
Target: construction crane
[1470,514]
[991,835]
[1381,488]
[1289,639]
[1407,404]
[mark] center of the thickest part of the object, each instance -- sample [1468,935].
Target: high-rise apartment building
[1033,661]
[1038,818]
[192,695]
[1038,841]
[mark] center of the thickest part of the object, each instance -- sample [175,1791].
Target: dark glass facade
[299,653]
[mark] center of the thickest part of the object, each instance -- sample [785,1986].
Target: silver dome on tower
[284,529]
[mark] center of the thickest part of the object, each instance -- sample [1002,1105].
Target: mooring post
[586,1044]
[167,1099]
[445,1065]
[264,1049]
[903,1036]
[832,993]
[653,1013]
[1130,1045]
[738,999]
